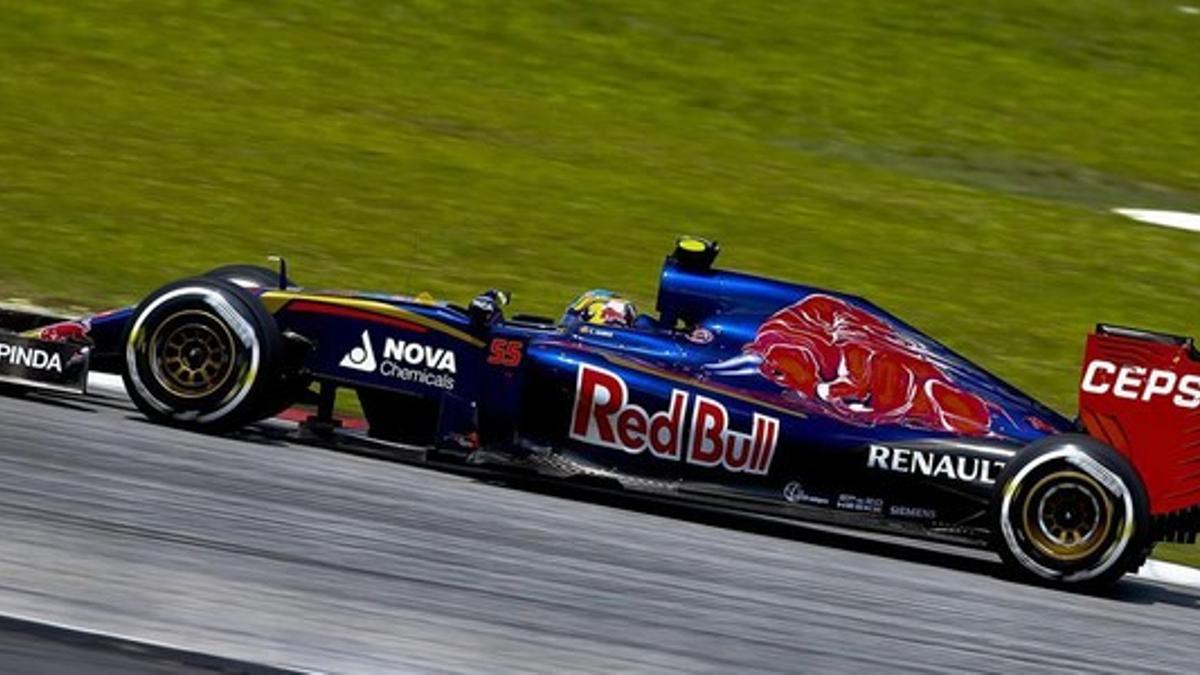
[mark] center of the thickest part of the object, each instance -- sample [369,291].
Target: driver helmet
[602,308]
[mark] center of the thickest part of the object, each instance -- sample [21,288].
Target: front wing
[30,361]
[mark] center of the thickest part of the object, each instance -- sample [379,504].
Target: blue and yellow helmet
[601,308]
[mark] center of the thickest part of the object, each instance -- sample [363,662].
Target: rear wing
[1140,394]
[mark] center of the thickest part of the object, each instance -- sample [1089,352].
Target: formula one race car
[742,392]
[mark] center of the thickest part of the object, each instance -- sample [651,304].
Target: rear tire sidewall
[243,326]
[1122,495]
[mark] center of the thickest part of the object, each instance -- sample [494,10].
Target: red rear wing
[1140,394]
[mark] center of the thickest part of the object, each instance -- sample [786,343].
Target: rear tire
[203,354]
[1069,511]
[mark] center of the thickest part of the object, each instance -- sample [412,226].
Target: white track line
[1170,573]
[106,383]
[1179,220]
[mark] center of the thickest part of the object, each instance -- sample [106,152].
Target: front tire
[250,277]
[1070,511]
[203,354]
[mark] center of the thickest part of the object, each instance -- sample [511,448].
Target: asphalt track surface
[32,648]
[32,653]
[294,556]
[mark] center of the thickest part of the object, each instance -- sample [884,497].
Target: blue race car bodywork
[683,404]
[742,391]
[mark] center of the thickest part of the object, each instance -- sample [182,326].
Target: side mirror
[487,308]
[283,277]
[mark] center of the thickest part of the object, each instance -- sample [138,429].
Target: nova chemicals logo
[361,358]
[405,361]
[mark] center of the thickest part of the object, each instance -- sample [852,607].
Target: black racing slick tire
[203,354]
[1069,511]
[249,276]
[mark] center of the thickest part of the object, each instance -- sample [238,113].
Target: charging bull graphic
[858,368]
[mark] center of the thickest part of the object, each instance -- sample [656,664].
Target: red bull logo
[67,331]
[861,369]
[604,416]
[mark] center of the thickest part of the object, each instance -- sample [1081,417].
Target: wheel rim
[192,354]
[1068,516]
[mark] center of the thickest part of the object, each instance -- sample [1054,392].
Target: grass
[1183,554]
[953,161]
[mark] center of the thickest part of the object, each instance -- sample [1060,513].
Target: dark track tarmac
[29,648]
[300,557]
[28,655]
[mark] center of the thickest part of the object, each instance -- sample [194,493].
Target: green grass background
[954,161]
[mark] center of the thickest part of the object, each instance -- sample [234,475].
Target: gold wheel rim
[191,354]
[1068,516]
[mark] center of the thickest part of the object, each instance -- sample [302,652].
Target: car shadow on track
[1137,591]
[888,546]
[943,556]
[51,399]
